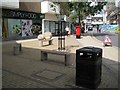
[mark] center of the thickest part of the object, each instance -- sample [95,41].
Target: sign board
[107,40]
[8,13]
[109,28]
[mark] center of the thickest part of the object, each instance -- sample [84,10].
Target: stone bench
[44,54]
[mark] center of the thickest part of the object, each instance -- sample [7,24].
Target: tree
[82,9]
[78,8]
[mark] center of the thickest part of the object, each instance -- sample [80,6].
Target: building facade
[30,19]
[23,22]
[97,19]
[8,5]
[113,16]
[54,19]
[113,12]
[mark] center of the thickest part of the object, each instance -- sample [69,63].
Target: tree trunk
[79,12]
[79,17]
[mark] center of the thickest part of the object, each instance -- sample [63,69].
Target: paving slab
[28,71]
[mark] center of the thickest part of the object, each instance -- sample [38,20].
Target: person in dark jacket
[82,29]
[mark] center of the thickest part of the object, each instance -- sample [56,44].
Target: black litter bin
[88,67]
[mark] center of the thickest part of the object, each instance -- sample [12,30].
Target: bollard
[20,47]
[17,49]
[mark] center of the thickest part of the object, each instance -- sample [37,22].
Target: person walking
[97,28]
[67,30]
[82,29]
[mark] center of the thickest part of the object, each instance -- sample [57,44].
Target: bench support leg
[50,42]
[67,58]
[43,56]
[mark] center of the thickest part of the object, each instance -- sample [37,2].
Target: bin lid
[90,49]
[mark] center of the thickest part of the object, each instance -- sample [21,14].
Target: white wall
[49,7]
[10,3]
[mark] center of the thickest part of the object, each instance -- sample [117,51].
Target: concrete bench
[44,55]
[44,40]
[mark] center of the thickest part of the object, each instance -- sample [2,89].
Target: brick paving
[18,71]
[13,80]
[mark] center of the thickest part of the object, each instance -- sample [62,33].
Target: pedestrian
[82,30]
[67,30]
[97,28]
[100,29]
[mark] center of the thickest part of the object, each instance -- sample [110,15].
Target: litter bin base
[88,84]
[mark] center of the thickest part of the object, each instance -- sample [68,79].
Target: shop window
[52,28]
[46,24]
[18,28]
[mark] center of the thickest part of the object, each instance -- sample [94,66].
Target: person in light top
[67,30]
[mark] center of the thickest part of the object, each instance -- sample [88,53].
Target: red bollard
[78,31]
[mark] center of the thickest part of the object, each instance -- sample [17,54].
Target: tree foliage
[82,9]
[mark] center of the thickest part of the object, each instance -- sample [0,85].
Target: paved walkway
[27,71]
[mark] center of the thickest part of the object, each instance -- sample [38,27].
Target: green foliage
[82,9]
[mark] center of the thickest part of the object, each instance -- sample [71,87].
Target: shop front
[53,26]
[20,24]
[54,20]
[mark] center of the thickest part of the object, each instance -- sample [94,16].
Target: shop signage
[6,13]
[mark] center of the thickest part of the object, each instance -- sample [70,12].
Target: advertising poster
[14,27]
[26,28]
[109,28]
[18,27]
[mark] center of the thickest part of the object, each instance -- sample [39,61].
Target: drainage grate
[48,75]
